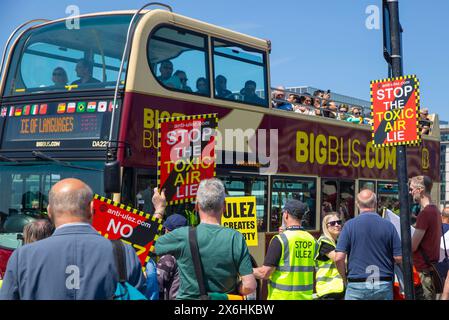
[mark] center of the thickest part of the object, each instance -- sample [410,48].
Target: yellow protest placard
[240,214]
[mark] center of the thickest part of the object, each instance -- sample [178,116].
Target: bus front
[57,96]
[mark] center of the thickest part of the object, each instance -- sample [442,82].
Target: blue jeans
[379,290]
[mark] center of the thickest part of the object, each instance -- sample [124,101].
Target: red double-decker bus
[85,103]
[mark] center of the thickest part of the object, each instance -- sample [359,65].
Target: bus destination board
[69,125]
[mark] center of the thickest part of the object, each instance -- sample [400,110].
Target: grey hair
[75,202]
[211,196]
[369,203]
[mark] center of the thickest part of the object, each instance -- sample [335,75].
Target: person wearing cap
[289,263]
[167,268]
[372,246]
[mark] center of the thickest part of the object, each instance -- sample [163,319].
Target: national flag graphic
[81,107]
[91,106]
[61,108]
[34,109]
[102,106]
[43,109]
[26,110]
[11,111]
[4,112]
[71,107]
[18,112]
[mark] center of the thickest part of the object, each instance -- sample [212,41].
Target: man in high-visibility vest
[289,263]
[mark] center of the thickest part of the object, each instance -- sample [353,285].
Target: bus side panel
[304,147]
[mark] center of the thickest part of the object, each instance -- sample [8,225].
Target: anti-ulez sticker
[395,110]
[117,221]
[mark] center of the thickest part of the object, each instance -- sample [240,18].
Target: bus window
[178,59]
[52,57]
[338,196]
[239,73]
[302,189]
[239,186]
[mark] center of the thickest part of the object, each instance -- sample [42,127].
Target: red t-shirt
[429,219]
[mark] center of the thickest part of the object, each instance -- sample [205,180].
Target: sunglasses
[58,74]
[333,223]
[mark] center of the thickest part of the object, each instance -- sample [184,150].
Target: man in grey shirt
[76,262]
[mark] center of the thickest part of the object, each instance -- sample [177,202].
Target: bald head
[70,198]
[367,200]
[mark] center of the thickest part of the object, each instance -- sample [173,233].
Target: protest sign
[116,221]
[240,214]
[186,155]
[395,220]
[395,109]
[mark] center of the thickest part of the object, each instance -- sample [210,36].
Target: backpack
[124,290]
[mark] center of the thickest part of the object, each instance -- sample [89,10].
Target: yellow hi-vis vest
[293,277]
[328,279]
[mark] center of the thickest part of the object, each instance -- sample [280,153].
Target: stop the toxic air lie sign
[395,110]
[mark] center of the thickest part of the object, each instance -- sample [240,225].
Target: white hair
[211,196]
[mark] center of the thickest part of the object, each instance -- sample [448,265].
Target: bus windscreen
[52,58]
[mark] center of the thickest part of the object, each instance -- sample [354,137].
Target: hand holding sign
[159,202]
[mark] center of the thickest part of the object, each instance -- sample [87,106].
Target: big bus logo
[150,119]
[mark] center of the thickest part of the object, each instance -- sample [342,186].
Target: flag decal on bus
[34,109]
[71,107]
[91,106]
[61,108]
[81,107]
[43,109]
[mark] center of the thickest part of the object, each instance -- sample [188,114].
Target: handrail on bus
[126,51]
[12,36]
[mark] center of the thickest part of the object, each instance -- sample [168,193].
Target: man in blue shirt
[372,245]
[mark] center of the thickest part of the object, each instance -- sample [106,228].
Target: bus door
[140,195]
[338,195]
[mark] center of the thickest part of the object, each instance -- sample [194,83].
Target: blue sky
[321,43]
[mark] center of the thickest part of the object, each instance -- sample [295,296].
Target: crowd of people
[66,258]
[320,104]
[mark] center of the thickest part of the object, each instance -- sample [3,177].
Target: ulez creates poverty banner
[116,221]
[186,155]
[395,108]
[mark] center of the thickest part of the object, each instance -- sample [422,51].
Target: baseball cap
[175,221]
[295,208]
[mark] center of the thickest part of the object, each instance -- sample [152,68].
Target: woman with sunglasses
[329,284]
[59,78]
